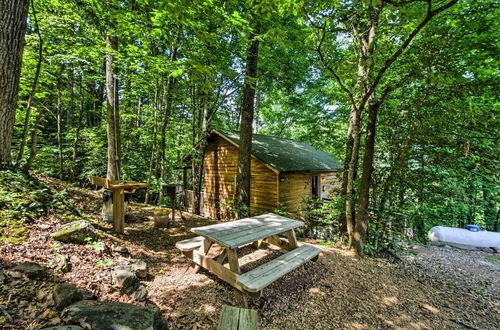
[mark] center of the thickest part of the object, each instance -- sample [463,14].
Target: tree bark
[147,197]
[242,187]
[12,29]
[361,227]
[58,122]
[31,94]
[33,149]
[171,81]
[112,111]
[76,141]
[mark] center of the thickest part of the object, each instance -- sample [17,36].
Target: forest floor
[422,287]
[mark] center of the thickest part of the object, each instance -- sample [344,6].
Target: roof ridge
[274,136]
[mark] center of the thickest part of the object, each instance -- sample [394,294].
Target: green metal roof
[287,155]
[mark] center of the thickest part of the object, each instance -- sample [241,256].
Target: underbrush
[24,198]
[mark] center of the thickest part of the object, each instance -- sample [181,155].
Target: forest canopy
[404,91]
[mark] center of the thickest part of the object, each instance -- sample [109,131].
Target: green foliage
[436,155]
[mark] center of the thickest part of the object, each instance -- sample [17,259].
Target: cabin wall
[294,186]
[220,165]
[292,189]
[331,183]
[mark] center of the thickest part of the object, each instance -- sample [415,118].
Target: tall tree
[242,187]
[366,23]
[112,111]
[12,28]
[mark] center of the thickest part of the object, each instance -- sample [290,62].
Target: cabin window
[315,186]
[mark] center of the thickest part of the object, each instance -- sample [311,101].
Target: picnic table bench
[118,188]
[221,241]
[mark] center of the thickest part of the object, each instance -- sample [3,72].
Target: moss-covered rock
[75,232]
[23,198]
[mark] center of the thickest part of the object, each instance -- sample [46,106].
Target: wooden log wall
[221,158]
[294,186]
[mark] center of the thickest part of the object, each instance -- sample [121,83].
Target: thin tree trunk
[198,170]
[171,81]
[147,197]
[59,137]
[12,29]
[33,149]
[242,188]
[112,111]
[76,141]
[31,94]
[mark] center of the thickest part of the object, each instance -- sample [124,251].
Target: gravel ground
[426,287]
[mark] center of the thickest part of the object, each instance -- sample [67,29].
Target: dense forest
[405,92]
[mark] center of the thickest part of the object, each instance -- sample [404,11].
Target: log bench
[234,318]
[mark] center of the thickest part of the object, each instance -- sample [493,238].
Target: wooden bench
[233,318]
[260,277]
[189,244]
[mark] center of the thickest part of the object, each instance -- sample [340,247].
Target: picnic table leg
[232,257]
[292,240]
[204,248]
[118,211]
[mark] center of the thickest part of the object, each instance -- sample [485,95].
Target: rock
[116,316]
[66,294]
[125,279]
[64,327]
[31,270]
[119,249]
[63,265]
[75,232]
[140,268]
[141,293]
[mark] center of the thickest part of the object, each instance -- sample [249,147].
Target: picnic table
[219,242]
[118,188]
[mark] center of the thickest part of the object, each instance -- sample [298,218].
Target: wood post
[292,240]
[118,211]
[232,257]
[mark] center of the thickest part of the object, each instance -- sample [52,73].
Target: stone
[116,316]
[140,268]
[119,249]
[63,265]
[75,232]
[125,279]
[66,294]
[31,270]
[141,293]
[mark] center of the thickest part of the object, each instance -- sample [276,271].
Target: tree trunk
[33,148]
[12,29]
[112,111]
[147,197]
[199,168]
[242,188]
[160,170]
[33,89]
[59,133]
[76,141]
[361,227]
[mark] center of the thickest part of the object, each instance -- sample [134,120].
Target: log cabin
[283,172]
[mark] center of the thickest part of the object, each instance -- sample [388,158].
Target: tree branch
[330,69]
[430,14]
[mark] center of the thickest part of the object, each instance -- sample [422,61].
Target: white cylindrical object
[450,235]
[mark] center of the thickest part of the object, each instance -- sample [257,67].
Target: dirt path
[338,291]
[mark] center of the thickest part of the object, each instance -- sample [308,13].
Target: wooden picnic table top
[240,232]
